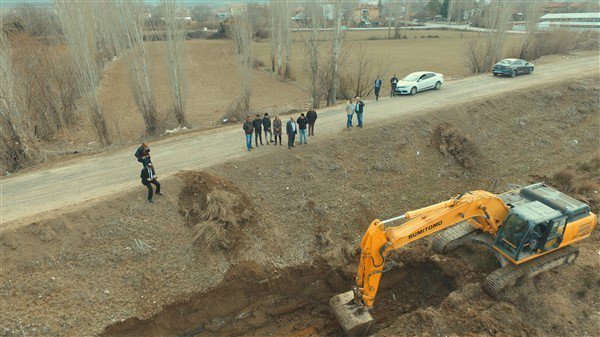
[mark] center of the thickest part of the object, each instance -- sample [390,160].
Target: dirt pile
[452,143]
[215,209]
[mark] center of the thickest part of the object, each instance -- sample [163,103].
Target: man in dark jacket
[257,124]
[394,83]
[378,83]
[149,177]
[266,122]
[359,111]
[248,128]
[302,123]
[311,116]
[143,154]
[291,129]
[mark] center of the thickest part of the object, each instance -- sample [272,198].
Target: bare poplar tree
[484,49]
[286,27]
[533,12]
[18,141]
[312,51]
[242,38]
[78,27]
[131,26]
[273,30]
[336,44]
[176,60]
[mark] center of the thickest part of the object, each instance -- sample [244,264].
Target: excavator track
[452,237]
[500,279]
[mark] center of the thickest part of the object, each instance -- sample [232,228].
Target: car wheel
[438,85]
[530,70]
[514,73]
[413,90]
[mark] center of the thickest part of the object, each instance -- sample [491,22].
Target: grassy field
[213,77]
[439,51]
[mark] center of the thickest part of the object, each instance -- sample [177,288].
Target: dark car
[512,67]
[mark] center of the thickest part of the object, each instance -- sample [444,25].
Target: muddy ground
[125,268]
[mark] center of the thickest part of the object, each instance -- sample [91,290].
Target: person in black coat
[311,115]
[149,177]
[248,128]
[291,128]
[143,154]
[266,122]
[257,124]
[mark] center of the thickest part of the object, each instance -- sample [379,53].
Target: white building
[570,20]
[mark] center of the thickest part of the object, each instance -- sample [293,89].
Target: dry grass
[211,234]
[453,143]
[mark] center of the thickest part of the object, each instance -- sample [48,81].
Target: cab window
[512,234]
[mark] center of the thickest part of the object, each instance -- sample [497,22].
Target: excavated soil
[123,267]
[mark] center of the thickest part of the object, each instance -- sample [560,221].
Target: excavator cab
[520,238]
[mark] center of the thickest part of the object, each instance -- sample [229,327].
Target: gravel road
[26,195]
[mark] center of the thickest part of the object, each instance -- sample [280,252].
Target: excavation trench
[292,301]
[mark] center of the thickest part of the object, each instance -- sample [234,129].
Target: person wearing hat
[149,177]
[359,111]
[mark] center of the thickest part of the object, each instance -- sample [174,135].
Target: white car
[419,81]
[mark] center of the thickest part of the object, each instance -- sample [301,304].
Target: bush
[556,41]
[257,63]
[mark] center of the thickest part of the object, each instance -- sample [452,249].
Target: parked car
[512,67]
[419,81]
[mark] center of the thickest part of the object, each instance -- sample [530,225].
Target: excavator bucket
[355,319]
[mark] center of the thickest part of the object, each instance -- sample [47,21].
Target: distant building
[238,10]
[223,13]
[366,12]
[570,20]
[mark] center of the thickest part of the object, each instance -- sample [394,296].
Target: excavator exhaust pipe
[354,318]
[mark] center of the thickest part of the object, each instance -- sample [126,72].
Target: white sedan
[419,81]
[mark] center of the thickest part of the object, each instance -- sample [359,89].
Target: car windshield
[506,62]
[412,77]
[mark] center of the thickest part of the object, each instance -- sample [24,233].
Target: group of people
[355,106]
[393,84]
[148,174]
[303,125]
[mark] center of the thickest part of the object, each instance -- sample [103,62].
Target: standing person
[248,128]
[257,124]
[349,112]
[266,122]
[291,129]
[378,83]
[359,111]
[149,177]
[277,131]
[143,154]
[302,122]
[394,83]
[311,115]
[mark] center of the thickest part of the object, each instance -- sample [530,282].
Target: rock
[258,318]
[214,324]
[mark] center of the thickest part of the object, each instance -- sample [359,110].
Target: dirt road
[83,180]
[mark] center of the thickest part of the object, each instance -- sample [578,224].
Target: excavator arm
[483,210]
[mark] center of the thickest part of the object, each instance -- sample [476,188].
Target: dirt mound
[582,181]
[453,143]
[215,208]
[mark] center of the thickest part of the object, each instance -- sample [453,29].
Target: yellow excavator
[529,230]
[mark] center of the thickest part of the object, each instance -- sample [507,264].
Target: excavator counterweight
[529,230]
